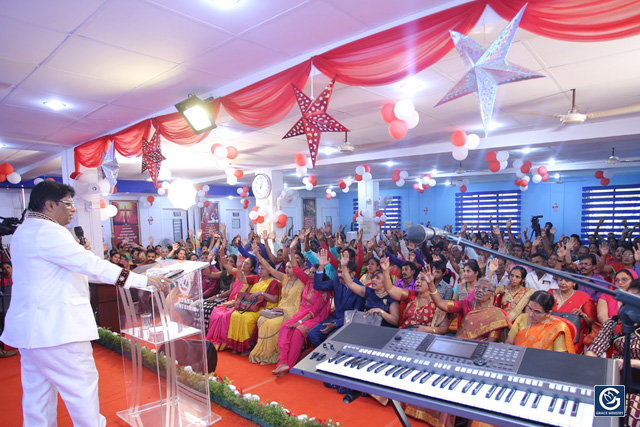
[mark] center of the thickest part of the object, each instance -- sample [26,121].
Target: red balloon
[605,181]
[367,168]
[232,152]
[599,174]
[214,146]
[255,221]
[357,177]
[545,177]
[207,203]
[115,190]
[49,179]
[313,180]
[463,189]
[459,138]
[381,223]
[260,219]
[255,208]
[245,189]
[300,159]
[518,181]
[379,213]
[150,199]
[243,195]
[416,186]
[526,167]
[355,217]
[524,183]
[3,177]
[542,171]
[6,169]
[103,203]
[494,166]
[327,196]
[421,191]
[199,187]
[342,185]
[398,129]
[238,173]
[491,157]
[395,176]
[281,224]
[387,112]
[283,218]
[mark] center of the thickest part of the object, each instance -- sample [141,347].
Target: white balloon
[404,174]
[606,173]
[253,215]
[527,178]
[14,178]
[383,218]
[524,188]
[519,173]
[305,180]
[345,189]
[200,193]
[459,183]
[360,170]
[404,109]
[263,211]
[146,204]
[504,164]
[165,185]
[333,194]
[421,185]
[223,163]
[239,191]
[413,120]
[502,156]
[301,170]
[432,182]
[400,182]
[37,181]
[473,141]
[309,186]
[518,164]
[221,152]
[112,210]
[465,181]
[348,181]
[328,191]
[229,171]
[376,219]
[460,153]
[162,191]
[367,176]
[536,179]
[277,215]
[205,188]
[232,180]
[367,214]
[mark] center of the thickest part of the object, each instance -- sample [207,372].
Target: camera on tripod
[535,225]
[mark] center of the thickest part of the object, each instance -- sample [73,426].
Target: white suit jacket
[50,297]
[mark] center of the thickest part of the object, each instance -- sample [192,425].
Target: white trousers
[68,369]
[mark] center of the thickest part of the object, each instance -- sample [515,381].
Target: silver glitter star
[487,69]
[110,166]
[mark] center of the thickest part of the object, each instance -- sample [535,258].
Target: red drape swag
[399,52]
[382,59]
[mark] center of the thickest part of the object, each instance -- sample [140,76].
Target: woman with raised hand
[513,297]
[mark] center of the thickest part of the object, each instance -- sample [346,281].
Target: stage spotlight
[197,114]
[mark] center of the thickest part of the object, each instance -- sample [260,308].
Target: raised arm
[435,295]
[512,238]
[275,273]
[394,292]
[346,275]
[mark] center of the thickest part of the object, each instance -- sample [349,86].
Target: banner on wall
[309,213]
[126,224]
[210,219]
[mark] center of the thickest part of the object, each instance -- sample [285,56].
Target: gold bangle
[433,293]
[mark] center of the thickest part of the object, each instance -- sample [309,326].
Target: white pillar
[271,202]
[87,215]
[368,199]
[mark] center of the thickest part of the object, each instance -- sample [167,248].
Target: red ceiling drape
[382,59]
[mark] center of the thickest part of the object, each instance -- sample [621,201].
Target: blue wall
[537,200]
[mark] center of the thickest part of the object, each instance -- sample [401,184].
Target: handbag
[270,314]
[249,302]
[355,316]
[573,318]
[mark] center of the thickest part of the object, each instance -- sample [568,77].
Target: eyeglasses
[622,280]
[67,203]
[482,288]
[535,312]
[627,256]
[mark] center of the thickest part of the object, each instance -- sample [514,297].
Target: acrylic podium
[161,332]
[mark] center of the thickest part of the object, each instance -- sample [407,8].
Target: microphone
[419,233]
[79,232]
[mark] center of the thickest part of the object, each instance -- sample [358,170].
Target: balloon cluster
[380,218]
[399,176]
[163,188]
[303,164]
[424,183]
[39,180]
[367,214]
[344,185]
[202,196]
[498,160]
[223,154]
[363,173]
[330,194]
[243,193]
[260,214]
[462,143]
[523,168]
[309,182]
[604,176]
[7,173]
[462,184]
[147,202]
[401,117]
[233,175]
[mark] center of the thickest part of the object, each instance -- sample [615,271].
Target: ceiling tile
[12,72]
[32,49]
[28,123]
[151,30]
[378,12]
[31,98]
[61,15]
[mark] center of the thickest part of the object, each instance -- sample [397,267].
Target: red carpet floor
[299,395]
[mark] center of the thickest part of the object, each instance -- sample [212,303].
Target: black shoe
[4,353]
[333,386]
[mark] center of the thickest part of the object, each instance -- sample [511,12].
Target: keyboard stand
[400,413]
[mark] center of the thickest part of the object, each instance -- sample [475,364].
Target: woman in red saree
[570,300]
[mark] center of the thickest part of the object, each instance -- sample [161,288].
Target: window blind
[614,203]
[477,208]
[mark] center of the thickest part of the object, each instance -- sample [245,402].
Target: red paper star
[152,156]
[315,119]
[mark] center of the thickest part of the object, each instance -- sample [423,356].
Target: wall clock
[261,186]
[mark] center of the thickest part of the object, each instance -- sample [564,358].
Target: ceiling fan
[574,116]
[347,147]
[614,160]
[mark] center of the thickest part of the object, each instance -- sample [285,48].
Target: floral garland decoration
[221,389]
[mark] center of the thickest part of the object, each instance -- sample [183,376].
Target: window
[476,209]
[614,203]
[393,211]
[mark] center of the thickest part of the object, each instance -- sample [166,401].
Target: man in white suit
[50,319]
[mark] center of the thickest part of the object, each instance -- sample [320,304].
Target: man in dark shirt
[343,299]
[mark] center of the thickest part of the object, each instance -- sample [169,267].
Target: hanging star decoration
[487,69]
[315,119]
[110,166]
[152,157]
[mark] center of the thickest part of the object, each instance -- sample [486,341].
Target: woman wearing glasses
[607,306]
[481,321]
[537,328]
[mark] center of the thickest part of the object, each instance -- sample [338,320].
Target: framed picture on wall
[309,213]
[210,218]
[126,224]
